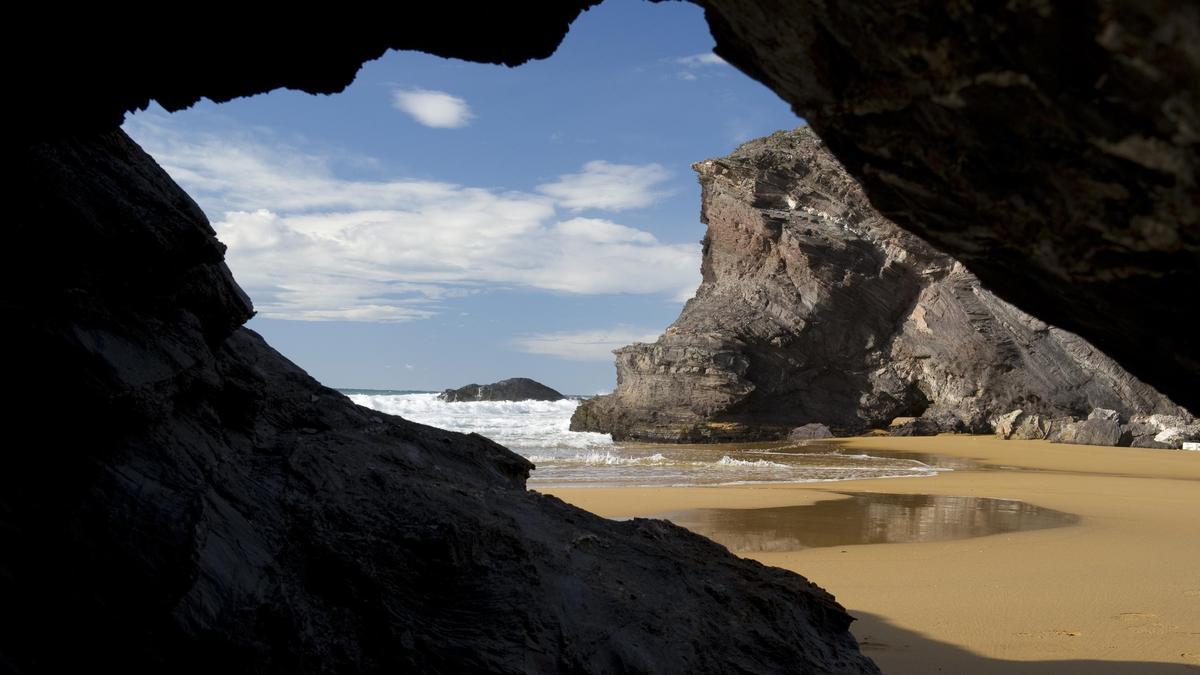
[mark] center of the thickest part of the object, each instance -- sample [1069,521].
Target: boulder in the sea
[1104,414]
[810,431]
[512,389]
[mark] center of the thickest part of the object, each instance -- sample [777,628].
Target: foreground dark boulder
[202,505]
[814,308]
[512,389]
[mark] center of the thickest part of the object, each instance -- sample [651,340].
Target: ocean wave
[523,426]
[754,463]
[540,431]
[605,458]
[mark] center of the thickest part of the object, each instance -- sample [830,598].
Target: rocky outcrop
[190,501]
[1052,148]
[512,389]
[1162,431]
[913,426]
[808,432]
[1092,431]
[1102,427]
[815,308]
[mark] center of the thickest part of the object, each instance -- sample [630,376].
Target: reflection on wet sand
[867,518]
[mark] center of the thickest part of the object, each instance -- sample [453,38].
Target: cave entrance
[443,223]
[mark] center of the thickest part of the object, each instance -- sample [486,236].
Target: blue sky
[443,222]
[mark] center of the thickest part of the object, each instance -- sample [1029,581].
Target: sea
[539,431]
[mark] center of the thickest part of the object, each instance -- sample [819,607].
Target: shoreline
[1118,592]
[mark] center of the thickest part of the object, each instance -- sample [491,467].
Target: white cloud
[697,65]
[433,108]
[701,60]
[310,245]
[604,185]
[585,345]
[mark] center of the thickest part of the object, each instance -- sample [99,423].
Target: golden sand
[1119,592]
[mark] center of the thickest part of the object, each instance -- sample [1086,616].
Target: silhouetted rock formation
[1052,148]
[512,389]
[814,308]
[197,503]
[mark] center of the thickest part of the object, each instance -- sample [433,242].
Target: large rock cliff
[815,308]
[1051,147]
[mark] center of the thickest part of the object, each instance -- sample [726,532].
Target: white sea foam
[755,463]
[540,431]
[523,426]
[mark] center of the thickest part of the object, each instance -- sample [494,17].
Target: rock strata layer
[512,389]
[202,505]
[814,308]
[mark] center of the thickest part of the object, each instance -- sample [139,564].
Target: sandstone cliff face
[187,500]
[814,308]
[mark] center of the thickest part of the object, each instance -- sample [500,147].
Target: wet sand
[1113,589]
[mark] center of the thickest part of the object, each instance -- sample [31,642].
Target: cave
[205,504]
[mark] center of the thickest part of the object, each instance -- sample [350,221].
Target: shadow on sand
[899,651]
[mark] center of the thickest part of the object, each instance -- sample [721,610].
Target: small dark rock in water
[810,431]
[512,389]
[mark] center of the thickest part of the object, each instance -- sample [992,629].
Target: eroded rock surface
[190,501]
[814,308]
[1052,148]
[512,389]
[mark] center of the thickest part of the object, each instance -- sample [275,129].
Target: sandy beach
[1115,591]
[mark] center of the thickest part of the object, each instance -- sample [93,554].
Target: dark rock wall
[1052,148]
[183,498]
[816,309]
[83,73]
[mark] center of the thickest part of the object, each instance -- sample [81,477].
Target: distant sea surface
[539,430]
